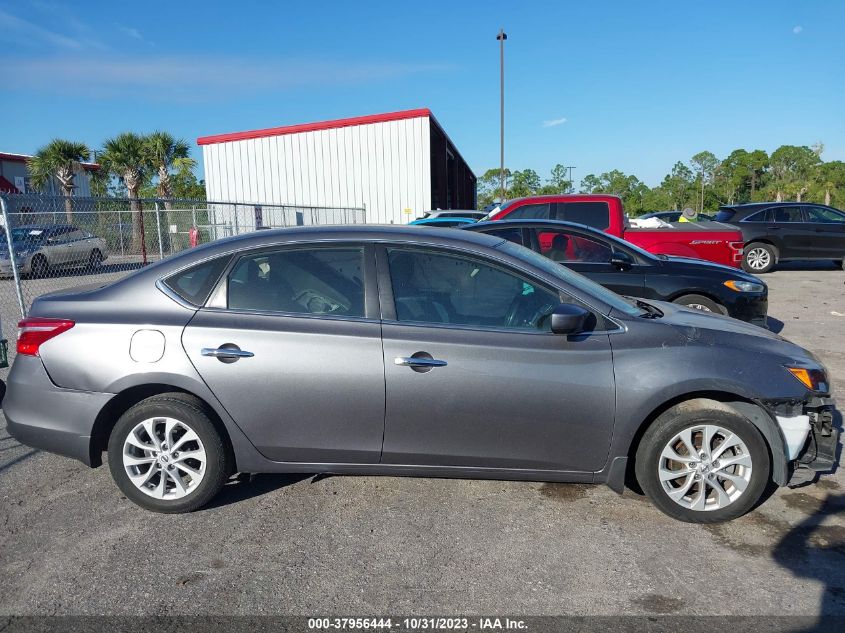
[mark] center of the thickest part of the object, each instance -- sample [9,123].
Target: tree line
[156,165]
[703,183]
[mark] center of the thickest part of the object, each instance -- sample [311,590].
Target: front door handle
[418,361]
[228,353]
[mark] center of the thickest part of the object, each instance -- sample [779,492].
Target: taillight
[34,331]
[737,249]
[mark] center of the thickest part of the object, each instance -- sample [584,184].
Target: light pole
[502,36]
[571,184]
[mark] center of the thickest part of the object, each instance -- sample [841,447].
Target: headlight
[744,286]
[814,379]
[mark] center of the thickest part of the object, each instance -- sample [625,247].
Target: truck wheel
[701,462]
[759,258]
[166,455]
[700,302]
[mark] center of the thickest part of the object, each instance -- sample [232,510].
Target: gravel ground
[70,544]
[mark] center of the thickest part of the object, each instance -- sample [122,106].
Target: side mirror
[621,260]
[568,318]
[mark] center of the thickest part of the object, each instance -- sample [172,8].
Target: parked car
[443,222]
[40,248]
[410,351]
[783,231]
[454,213]
[714,242]
[673,216]
[629,270]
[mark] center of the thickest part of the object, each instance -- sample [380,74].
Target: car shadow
[810,549]
[775,325]
[248,486]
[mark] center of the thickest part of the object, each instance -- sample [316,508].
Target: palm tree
[166,153]
[125,156]
[59,159]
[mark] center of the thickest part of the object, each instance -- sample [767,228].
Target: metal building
[395,165]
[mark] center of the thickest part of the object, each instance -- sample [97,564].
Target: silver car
[410,351]
[41,248]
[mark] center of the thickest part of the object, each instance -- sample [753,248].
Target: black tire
[692,414]
[95,259]
[39,266]
[700,302]
[759,258]
[192,413]
[840,263]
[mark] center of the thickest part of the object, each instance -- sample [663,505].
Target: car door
[827,228]
[475,380]
[787,226]
[589,255]
[292,350]
[57,248]
[76,246]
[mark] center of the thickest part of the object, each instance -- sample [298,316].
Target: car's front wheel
[702,462]
[166,455]
[700,302]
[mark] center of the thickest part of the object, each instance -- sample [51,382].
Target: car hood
[692,264]
[706,328]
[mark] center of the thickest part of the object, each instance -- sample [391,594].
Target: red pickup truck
[712,241]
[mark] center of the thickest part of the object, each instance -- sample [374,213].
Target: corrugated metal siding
[383,166]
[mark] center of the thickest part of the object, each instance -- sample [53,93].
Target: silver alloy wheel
[705,467]
[758,258]
[164,458]
[699,306]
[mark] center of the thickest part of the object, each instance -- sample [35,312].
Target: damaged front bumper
[810,436]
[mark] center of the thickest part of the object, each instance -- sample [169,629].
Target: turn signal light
[813,379]
[34,331]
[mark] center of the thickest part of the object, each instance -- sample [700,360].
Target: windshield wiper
[650,311]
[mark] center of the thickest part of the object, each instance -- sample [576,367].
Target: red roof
[311,127]
[22,158]
[7,187]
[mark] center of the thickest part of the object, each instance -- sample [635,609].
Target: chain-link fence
[50,243]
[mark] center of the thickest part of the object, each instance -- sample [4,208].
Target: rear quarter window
[194,284]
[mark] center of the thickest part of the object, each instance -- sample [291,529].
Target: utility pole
[571,184]
[501,37]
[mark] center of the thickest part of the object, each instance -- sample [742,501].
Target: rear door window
[787,214]
[315,281]
[594,214]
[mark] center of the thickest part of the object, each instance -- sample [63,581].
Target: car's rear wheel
[759,258]
[166,455]
[701,462]
[39,266]
[700,302]
[95,259]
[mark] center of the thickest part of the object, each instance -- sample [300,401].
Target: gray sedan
[410,351]
[42,248]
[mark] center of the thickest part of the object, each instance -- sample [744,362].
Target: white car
[40,248]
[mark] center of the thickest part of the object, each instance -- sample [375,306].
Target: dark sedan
[781,231]
[629,270]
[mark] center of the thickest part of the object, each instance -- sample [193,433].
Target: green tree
[489,187]
[704,164]
[59,159]
[830,183]
[679,185]
[524,182]
[792,170]
[165,153]
[126,157]
[559,182]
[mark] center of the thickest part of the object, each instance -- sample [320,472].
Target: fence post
[158,227]
[12,261]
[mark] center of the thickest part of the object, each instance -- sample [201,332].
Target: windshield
[573,279]
[27,235]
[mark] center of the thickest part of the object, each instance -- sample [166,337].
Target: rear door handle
[226,354]
[412,361]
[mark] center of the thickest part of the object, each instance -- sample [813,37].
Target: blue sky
[598,85]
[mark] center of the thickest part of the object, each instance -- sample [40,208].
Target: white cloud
[22,31]
[797,29]
[554,122]
[194,77]
[135,34]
